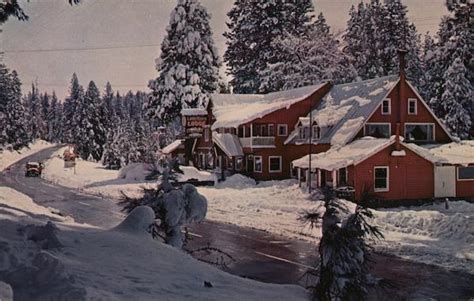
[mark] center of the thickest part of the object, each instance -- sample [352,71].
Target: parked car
[34,169]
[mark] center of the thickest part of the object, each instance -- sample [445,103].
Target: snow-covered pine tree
[309,59]
[33,106]
[355,39]
[13,124]
[457,100]
[254,26]
[107,107]
[69,110]
[44,109]
[188,65]
[90,134]
[54,120]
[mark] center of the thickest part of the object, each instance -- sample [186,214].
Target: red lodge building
[376,136]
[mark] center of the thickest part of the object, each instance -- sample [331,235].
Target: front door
[445,181]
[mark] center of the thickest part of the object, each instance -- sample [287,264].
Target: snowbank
[134,172]
[85,172]
[430,234]
[190,172]
[7,158]
[270,206]
[117,264]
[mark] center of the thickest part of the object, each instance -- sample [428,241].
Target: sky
[119,40]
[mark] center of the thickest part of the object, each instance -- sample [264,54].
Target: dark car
[34,169]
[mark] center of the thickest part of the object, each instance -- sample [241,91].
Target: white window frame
[416,106]
[380,123]
[388,179]
[254,164]
[270,166]
[237,167]
[389,107]
[285,126]
[271,126]
[419,123]
[457,173]
[316,130]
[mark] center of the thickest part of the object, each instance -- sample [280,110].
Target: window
[241,131]
[420,132]
[271,130]
[304,132]
[263,129]
[316,132]
[466,173]
[378,130]
[412,109]
[206,134]
[274,164]
[386,107]
[342,176]
[257,164]
[381,178]
[282,130]
[239,163]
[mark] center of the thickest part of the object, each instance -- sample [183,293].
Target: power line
[14,51]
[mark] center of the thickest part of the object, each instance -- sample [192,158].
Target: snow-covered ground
[7,158]
[428,234]
[140,268]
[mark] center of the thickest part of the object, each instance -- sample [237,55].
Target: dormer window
[304,132]
[386,106]
[412,106]
[316,132]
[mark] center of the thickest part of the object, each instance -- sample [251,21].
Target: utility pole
[310,145]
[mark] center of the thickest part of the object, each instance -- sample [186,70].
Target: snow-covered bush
[174,208]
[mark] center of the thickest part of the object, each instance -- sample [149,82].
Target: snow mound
[6,293]
[190,173]
[137,221]
[430,234]
[44,236]
[134,172]
[237,181]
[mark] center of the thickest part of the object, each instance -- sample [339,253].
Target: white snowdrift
[430,234]
[7,158]
[134,172]
[190,172]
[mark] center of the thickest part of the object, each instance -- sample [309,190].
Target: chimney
[402,100]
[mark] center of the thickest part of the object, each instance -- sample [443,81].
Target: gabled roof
[349,154]
[346,107]
[232,110]
[228,143]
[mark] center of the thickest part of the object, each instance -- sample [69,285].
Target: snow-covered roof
[455,153]
[346,107]
[346,155]
[232,110]
[194,112]
[228,143]
[171,147]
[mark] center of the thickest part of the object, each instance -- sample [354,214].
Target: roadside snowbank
[430,234]
[7,158]
[271,206]
[83,174]
[80,265]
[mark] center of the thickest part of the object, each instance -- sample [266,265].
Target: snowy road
[259,255]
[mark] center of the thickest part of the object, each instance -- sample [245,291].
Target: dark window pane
[466,173]
[377,130]
[274,164]
[380,172]
[380,183]
[419,132]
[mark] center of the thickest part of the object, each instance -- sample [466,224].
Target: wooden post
[334,179]
[299,177]
[319,178]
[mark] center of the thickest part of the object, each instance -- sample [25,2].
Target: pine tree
[13,123]
[188,66]
[43,117]
[55,120]
[308,60]
[457,100]
[33,105]
[107,107]
[91,135]
[69,110]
